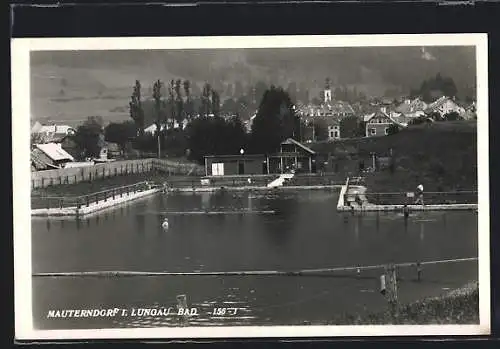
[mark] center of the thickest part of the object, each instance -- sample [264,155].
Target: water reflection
[357,222]
[140,220]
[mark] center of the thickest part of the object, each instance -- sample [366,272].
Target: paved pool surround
[352,206]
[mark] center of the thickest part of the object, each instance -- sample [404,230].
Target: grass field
[441,156]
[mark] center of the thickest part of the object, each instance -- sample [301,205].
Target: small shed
[227,165]
[49,156]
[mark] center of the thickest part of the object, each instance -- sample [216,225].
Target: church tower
[328,92]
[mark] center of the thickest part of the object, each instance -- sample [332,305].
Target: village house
[444,105]
[52,133]
[151,129]
[379,123]
[412,108]
[49,156]
[330,113]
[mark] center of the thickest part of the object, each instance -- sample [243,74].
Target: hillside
[441,156]
[71,85]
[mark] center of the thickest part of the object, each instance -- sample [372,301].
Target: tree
[437,85]
[88,137]
[172,103]
[188,108]
[215,103]
[275,121]
[260,88]
[206,100]
[179,104]
[292,91]
[230,106]
[120,133]
[36,138]
[157,86]
[136,109]
[214,136]
[349,127]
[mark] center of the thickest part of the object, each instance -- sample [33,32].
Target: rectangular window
[386,131]
[373,131]
[336,134]
[330,134]
[218,169]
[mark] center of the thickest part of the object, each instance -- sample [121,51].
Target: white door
[218,169]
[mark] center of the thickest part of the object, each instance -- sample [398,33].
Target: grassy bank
[442,156]
[87,187]
[457,307]
[460,306]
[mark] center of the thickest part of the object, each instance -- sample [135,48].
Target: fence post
[113,193]
[391,292]
[87,200]
[105,196]
[182,308]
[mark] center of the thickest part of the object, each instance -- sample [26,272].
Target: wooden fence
[42,179]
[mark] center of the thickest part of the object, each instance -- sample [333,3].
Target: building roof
[329,109]
[437,103]
[59,129]
[300,145]
[411,106]
[397,119]
[54,151]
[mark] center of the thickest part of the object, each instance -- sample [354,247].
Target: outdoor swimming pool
[304,232]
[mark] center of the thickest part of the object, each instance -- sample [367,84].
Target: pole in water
[406,211]
[182,308]
[419,271]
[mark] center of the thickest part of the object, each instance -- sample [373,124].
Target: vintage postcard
[272,186]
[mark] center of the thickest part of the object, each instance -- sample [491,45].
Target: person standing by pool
[420,195]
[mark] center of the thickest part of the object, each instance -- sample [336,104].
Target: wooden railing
[86,200]
[429,198]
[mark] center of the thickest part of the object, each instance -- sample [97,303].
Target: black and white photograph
[266,186]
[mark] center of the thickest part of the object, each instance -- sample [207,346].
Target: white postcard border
[20,63]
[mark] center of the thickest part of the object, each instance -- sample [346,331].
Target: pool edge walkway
[93,207]
[369,207]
